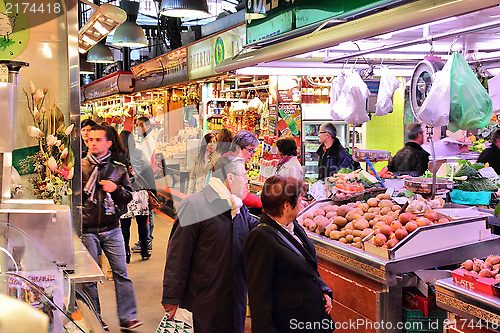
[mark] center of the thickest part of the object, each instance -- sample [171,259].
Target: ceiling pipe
[412,14]
[423,40]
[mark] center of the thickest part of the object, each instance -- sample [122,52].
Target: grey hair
[225,165]
[413,130]
[244,139]
[330,129]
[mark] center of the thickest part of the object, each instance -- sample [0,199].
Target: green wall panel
[387,132]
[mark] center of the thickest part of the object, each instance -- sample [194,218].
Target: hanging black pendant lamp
[129,33]
[184,8]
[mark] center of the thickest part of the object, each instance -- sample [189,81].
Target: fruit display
[488,268]
[168,150]
[423,205]
[350,187]
[378,216]
[479,275]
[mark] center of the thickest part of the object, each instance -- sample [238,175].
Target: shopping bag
[470,105]
[351,105]
[336,89]
[494,92]
[435,111]
[388,85]
[181,323]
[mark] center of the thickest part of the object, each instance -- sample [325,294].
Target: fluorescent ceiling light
[405,71]
[89,41]
[99,27]
[390,34]
[106,18]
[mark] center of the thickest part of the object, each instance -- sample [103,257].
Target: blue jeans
[113,247]
[151,225]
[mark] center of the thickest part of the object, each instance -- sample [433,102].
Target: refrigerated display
[310,144]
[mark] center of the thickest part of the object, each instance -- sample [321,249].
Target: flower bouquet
[53,163]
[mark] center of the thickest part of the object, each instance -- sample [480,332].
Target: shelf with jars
[316,90]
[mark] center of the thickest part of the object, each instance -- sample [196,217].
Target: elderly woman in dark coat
[285,290]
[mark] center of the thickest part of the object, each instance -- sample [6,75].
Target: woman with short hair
[284,285]
[288,165]
[202,164]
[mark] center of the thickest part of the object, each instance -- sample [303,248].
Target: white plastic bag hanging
[388,85]
[435,111]
[494,92]
[351,105]
[336,88]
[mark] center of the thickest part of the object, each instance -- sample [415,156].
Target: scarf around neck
[234,202]
[283,160]
[97,162]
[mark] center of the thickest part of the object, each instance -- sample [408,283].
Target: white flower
[32,87]
[52,163]
[51,140]
[71,173]
[69,129]
[34,131]
[38,95]
[58,143]
[64,153]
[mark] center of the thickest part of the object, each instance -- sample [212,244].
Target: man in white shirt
[147,144]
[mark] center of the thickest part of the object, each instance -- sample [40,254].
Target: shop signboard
[166,69]
[204,55]
[267,19]
[114,83]
[174,66]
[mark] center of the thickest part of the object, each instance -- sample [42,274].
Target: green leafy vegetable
[406,193]
[344,170]
[478,166]
[476,184]
[467,170]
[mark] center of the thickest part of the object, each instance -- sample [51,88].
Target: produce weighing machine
[368,288]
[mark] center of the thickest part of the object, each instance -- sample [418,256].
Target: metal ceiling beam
[413,14]
[423,40]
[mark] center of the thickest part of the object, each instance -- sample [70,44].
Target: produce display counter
[368,288]
[475,311]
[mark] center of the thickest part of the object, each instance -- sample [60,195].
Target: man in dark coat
[106,188]
[491,155]
[412,159]
[204,270]
[332,155]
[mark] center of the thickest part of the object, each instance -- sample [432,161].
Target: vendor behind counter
[491,155]
[412,159]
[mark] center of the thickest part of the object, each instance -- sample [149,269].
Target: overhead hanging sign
[267,19]
[203,56]
[169,68]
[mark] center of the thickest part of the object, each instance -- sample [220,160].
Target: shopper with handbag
[285,289]
[143,184]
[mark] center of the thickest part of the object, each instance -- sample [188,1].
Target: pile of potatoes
[352,222]
[489,268]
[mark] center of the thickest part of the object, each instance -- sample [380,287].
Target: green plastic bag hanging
[470,105]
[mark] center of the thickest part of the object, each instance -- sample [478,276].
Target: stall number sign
[206,54]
